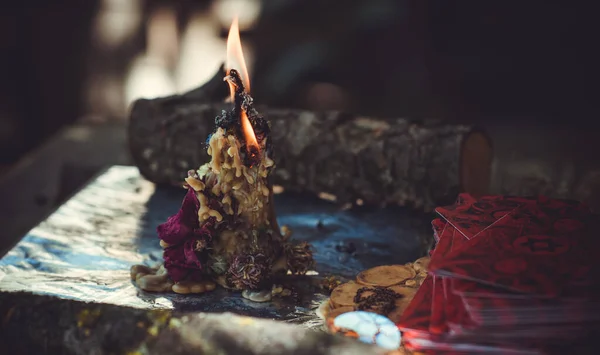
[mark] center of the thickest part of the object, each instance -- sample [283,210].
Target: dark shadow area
[523,72]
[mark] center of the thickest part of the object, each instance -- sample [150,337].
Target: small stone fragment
[140,270]
[330,283]
[421,264]
[257,296]
[154,283]
[411,283]
[277,289]
[286,232]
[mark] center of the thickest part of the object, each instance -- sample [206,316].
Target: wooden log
[379,161]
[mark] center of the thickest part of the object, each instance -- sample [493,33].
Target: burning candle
[235,55]
[226,232]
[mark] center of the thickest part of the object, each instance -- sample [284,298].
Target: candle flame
[235,55]
[248,132]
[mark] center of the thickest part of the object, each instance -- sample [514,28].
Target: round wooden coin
[343,295]
[385,275]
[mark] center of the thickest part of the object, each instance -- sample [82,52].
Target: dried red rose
[186,238]
[182,225]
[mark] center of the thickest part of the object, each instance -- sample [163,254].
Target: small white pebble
[257,296]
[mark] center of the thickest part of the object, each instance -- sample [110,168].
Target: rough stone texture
[46,325]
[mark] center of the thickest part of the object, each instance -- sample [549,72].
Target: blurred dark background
[522,69]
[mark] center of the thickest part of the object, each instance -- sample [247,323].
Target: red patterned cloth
[508,275]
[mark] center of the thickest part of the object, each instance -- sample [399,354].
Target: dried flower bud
[248,271]
[299,258]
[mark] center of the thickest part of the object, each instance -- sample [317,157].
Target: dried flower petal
[189,251]
[176,268]
[181,225]
[186,238]
[182,259]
